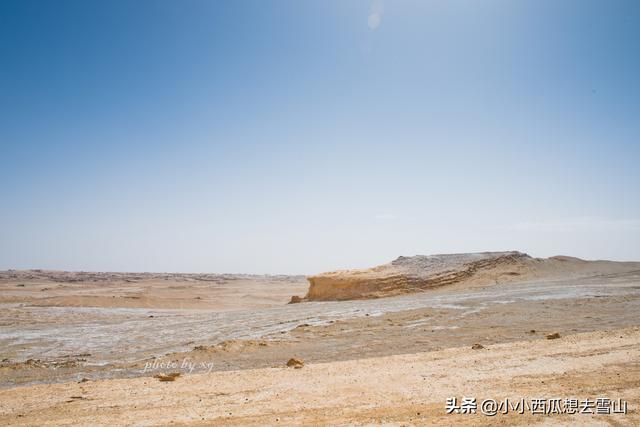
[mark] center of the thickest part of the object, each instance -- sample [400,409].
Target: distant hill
[421,272]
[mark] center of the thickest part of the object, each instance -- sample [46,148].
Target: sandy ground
[402,390]
[219,292]
[388,360]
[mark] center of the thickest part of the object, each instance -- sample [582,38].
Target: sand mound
[295,363]
[232,346]
[419,273]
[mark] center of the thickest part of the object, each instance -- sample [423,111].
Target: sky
[298,137]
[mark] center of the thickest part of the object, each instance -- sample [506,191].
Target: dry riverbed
[63,362]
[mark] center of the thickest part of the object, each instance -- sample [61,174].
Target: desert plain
[383,345]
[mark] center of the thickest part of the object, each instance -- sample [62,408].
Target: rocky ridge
[422,272]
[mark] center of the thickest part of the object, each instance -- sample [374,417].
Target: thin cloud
[385,217]
[578,224]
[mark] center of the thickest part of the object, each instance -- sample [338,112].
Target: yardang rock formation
[421,272]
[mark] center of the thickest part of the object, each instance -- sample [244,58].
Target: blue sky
[298,137]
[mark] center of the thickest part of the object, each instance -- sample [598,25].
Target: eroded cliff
[421,272]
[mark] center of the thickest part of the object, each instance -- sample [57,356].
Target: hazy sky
[303,136]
